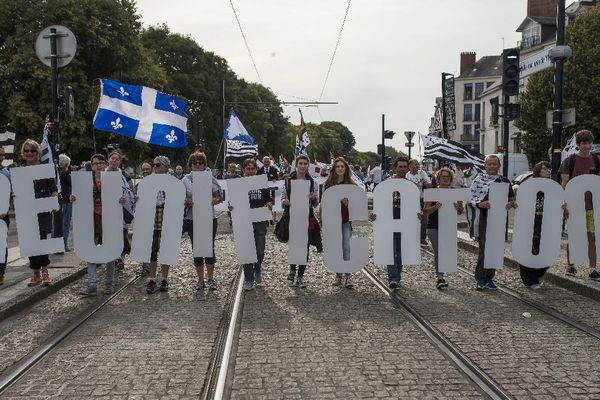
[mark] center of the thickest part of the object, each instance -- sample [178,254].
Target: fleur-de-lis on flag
[123,92]
[173,105]
[171,137]
[116,124]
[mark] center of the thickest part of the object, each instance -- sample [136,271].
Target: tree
[346,136]
[581,87]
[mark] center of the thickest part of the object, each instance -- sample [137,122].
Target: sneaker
[478,285]
[300,283]
[393,285]
[571,270]
[164,286]
[120,264]
[89,291]
[349,283]
[144,270]
[35,280]
[212,284]
[248,285]
[441,283]
[490,286]
[108,288]
[535,286]
[337,281]
[291,276]
[257,278]
[200,285]
[594,275]
[150,286]
[45,277]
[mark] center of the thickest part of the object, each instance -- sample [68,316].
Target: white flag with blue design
[235,130]
[141,113]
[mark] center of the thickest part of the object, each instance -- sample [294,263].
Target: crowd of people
[340,172]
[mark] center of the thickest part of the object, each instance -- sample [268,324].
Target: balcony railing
[529,42]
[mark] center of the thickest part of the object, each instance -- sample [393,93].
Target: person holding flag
[302,140]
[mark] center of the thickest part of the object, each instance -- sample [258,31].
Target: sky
[389,59]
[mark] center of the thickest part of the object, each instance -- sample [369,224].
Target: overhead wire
[245,41]
[335,50]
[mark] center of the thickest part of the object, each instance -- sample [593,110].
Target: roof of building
[485,66]
[540,20]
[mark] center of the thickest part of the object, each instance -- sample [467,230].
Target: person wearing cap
[160,165]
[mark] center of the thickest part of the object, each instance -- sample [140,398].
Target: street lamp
[409,136]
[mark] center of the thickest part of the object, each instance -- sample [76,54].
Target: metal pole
[54,78]
[409,148]
[558,93]
[444,123]
[383,145]
[505,126]
[223,125]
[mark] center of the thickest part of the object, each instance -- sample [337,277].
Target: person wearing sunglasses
[30,152]
[444,177]
[197,163]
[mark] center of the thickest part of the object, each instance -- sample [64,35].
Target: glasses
[29,151]
[157,165]
[197,163]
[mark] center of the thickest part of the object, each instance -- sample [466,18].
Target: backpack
[572,159]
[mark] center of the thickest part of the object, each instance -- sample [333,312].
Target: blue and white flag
[141,113]
[236,131]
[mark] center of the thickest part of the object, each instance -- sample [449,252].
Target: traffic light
[379,148]
[388,134]
[510,72]
[495,109]
[512,111]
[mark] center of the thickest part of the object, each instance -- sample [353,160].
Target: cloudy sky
[389,60]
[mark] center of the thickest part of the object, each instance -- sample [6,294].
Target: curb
[30,297]
[572,284]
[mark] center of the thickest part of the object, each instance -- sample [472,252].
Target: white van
[517,164]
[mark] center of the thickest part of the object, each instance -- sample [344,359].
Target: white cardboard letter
[143,226]
[202,212]
[575,195]
[496,226]
[332,228]
[447,220]
[4,204]
[299,211]
[27,208]
[83,215]
[243,216]
[385,225]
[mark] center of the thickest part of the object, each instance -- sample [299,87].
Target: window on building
[478,90]
[467,129]
[468,112]
[468,94]
[477,116]
[477,131]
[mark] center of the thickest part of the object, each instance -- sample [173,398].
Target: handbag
[282,228]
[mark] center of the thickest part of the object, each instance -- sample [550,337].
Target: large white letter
[447,220]
[332,228]
[575,195]
[243,216]
[4,204]
[203,213]
[550,235]
[299,210]
[496,226]
[143,226]
[385,225]
[27,208]
[83,217]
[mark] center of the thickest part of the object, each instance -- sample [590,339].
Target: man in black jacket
[268,169]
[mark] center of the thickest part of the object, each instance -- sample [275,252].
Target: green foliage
[581,88]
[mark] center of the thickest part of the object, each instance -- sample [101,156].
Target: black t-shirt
[260,198]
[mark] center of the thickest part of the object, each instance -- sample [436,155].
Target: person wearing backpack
[581,163]
[301,173]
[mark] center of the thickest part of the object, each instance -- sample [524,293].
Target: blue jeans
[395,271]
[93,276]
[260,232]
[67,210]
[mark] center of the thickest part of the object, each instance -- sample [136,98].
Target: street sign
[409,144]
[409,135]
[66,45]
[535,62]
[568,118]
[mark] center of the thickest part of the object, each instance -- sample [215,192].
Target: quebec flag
[141,113]
[236,131]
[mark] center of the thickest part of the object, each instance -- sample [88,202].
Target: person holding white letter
[484,278]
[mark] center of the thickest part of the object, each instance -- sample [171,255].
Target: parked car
[520,179]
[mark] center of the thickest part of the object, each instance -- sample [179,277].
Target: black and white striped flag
[46,156]
[7,141]
[448,150]
[237,148]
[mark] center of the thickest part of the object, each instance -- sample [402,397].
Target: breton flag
[302,139]
[141,113]
[448,150]
[237,139]
[46,150]
[7,141]
[570,148]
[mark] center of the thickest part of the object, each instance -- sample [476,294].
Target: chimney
[467,60]
[541,8]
